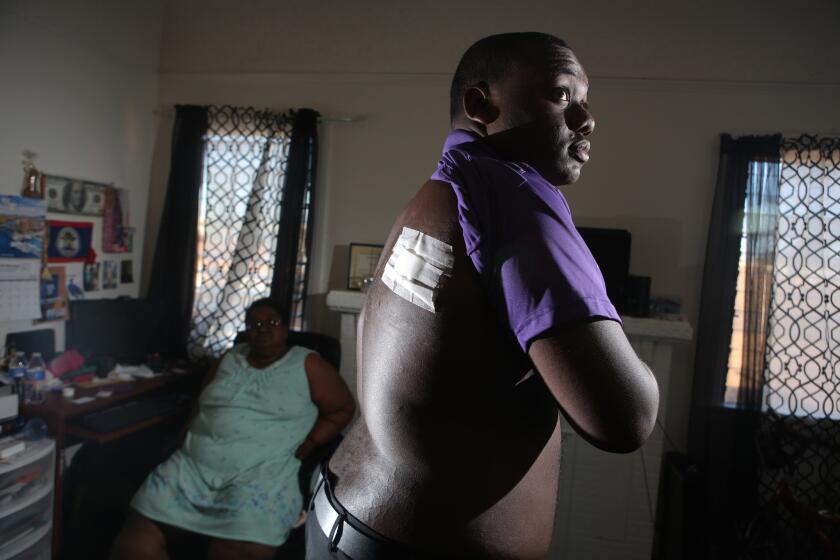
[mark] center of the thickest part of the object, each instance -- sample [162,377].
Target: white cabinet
[606,505]
[26,502]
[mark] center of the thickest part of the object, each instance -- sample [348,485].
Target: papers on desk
[141,371]
[83,400]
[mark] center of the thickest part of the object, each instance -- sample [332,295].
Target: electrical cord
[641,450]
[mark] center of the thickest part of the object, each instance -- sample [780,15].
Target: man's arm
[335,404]
[603,389]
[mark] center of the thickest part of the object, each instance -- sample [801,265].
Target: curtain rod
[331,119]
[325,119]
[784,133]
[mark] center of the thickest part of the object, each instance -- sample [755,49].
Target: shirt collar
[459,136]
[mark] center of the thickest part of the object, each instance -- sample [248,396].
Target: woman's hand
[305,449]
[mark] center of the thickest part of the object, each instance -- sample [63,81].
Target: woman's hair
[266,302]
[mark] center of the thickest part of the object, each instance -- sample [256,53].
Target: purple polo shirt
[520,237]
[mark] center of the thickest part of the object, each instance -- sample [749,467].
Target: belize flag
[69,241]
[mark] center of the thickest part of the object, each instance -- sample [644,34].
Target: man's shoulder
[479,175]
[433,210]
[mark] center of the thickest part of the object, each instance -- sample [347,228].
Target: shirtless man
[484,281]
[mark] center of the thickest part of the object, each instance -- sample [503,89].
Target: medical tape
[416,267]
[432,250]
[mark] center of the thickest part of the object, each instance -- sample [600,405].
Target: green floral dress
[236,476]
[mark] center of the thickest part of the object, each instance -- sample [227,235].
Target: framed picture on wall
[54,303]
[363,260]
[110,274]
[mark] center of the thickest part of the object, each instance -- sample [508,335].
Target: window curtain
[172,279]
[744,168]
[721,441]
[236,224]
[294,242]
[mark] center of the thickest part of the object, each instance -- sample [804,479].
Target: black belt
[343,535]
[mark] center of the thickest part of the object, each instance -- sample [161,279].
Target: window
[736,346]
[241,204]
[802,353]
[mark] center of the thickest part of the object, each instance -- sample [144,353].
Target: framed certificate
[363,260]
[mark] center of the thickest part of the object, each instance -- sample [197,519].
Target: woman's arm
[208,378]
[332,397]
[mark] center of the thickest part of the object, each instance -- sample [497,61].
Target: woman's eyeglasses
[257,325]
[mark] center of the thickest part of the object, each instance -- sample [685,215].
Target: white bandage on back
[417,266]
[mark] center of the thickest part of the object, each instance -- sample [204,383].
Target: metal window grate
[803,347]
[241,201]
[802,371]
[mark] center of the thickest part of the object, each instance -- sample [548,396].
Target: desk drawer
[28,474]
[20,525]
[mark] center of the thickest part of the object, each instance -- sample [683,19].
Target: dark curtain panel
[761,222]
[172,281]
[721,440]
[720,275]
[296,218]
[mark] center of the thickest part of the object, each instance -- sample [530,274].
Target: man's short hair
[489,59]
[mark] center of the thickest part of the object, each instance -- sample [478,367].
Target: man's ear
[478,107]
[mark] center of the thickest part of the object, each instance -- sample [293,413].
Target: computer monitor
[116,328]
[611,250]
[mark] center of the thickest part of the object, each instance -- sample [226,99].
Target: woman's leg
[223,549]
[140,538]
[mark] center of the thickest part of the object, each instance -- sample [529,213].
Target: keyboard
[132,412]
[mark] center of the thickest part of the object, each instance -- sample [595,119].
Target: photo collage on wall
[75,241]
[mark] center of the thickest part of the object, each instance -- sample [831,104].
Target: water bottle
[17,371]
[35,379]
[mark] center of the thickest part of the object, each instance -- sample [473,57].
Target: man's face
[544,118]
[266,332]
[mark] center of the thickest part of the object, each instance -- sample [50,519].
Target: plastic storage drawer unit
[26,474]
[26,502]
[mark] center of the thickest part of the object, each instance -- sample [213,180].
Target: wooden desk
[58,413]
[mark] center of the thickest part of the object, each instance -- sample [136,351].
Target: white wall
[79,84]
[666,81]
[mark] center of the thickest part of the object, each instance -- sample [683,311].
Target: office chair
[328,347]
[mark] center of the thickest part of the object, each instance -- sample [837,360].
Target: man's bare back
[450,452]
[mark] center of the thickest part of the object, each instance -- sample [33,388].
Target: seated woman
[235,478]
